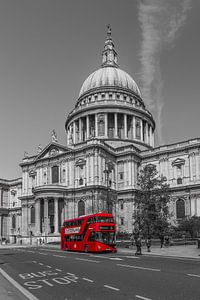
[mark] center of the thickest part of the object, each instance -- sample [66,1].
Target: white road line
[86,279]
[56,255]
[194,275]
[49,267]
[30,251]
[111,287]
[70,274]
[90,260]
[135,257]
[115,258]
[35,262]
[41,264]
[58,270]
[18,286]
[143,298]
[136,267]
[42,253]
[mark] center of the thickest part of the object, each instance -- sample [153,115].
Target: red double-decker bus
[91,233]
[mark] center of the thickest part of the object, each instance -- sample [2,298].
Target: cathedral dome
[109,76]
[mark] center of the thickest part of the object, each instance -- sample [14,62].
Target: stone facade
[110,136]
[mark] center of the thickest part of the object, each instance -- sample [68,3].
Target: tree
[151,214]
[191,225]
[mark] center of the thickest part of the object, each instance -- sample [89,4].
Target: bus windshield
[107,238]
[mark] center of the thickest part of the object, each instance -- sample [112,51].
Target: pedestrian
[167,241]
[139,246]
[148,244]
[161,240]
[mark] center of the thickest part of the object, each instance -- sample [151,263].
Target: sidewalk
[182,251]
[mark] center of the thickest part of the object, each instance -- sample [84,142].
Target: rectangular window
[55,174]
[122,221]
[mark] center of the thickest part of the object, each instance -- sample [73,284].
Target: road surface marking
[58,270]
[111,287]
[115,258]
[140,297]
[136,267]
[35,262]
[194,275]
[86,279]
[18,286]
[56,255]
[42,253]
[70,274]
[85,259]
[49,267]
[30,251]
[135,257]
[41,264]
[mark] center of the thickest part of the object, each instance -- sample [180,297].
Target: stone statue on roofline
[54,136]
[39,149]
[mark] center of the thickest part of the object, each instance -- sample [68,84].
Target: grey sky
[47,50]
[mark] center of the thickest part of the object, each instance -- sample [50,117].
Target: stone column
[0,226]
[197,166]
[141,129]
[116,125]
[37,217]
[106,125]
[125,173]
[66,212]
[133,127]
[87,127]
[96,125]
[125,126]
[74,132]
[1,200]
[56,215]
[150,135]
[190,166]
[24,219]
[147,133]
[46,216]
[79,126]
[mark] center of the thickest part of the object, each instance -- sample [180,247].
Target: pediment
[178,162]
[52,150]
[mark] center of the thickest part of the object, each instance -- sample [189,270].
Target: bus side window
[91,237]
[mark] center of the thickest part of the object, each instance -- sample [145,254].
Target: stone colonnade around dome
[110,126]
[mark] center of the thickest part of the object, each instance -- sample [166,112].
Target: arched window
[81,181]
[55,174]
[180,209]
[32,214]
[81,208]
[13,221]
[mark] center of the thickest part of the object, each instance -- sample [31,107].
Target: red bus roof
[102,214]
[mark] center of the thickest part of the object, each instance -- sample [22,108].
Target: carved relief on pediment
[53,152]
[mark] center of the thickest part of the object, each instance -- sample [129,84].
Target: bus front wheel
[86,248]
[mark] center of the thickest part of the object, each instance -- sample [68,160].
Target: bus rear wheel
[86,248]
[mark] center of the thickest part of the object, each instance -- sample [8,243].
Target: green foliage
[190,225]
[151,202]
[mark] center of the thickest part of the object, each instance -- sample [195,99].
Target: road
[44,273]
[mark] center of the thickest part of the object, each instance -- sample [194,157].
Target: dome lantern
[109,54]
